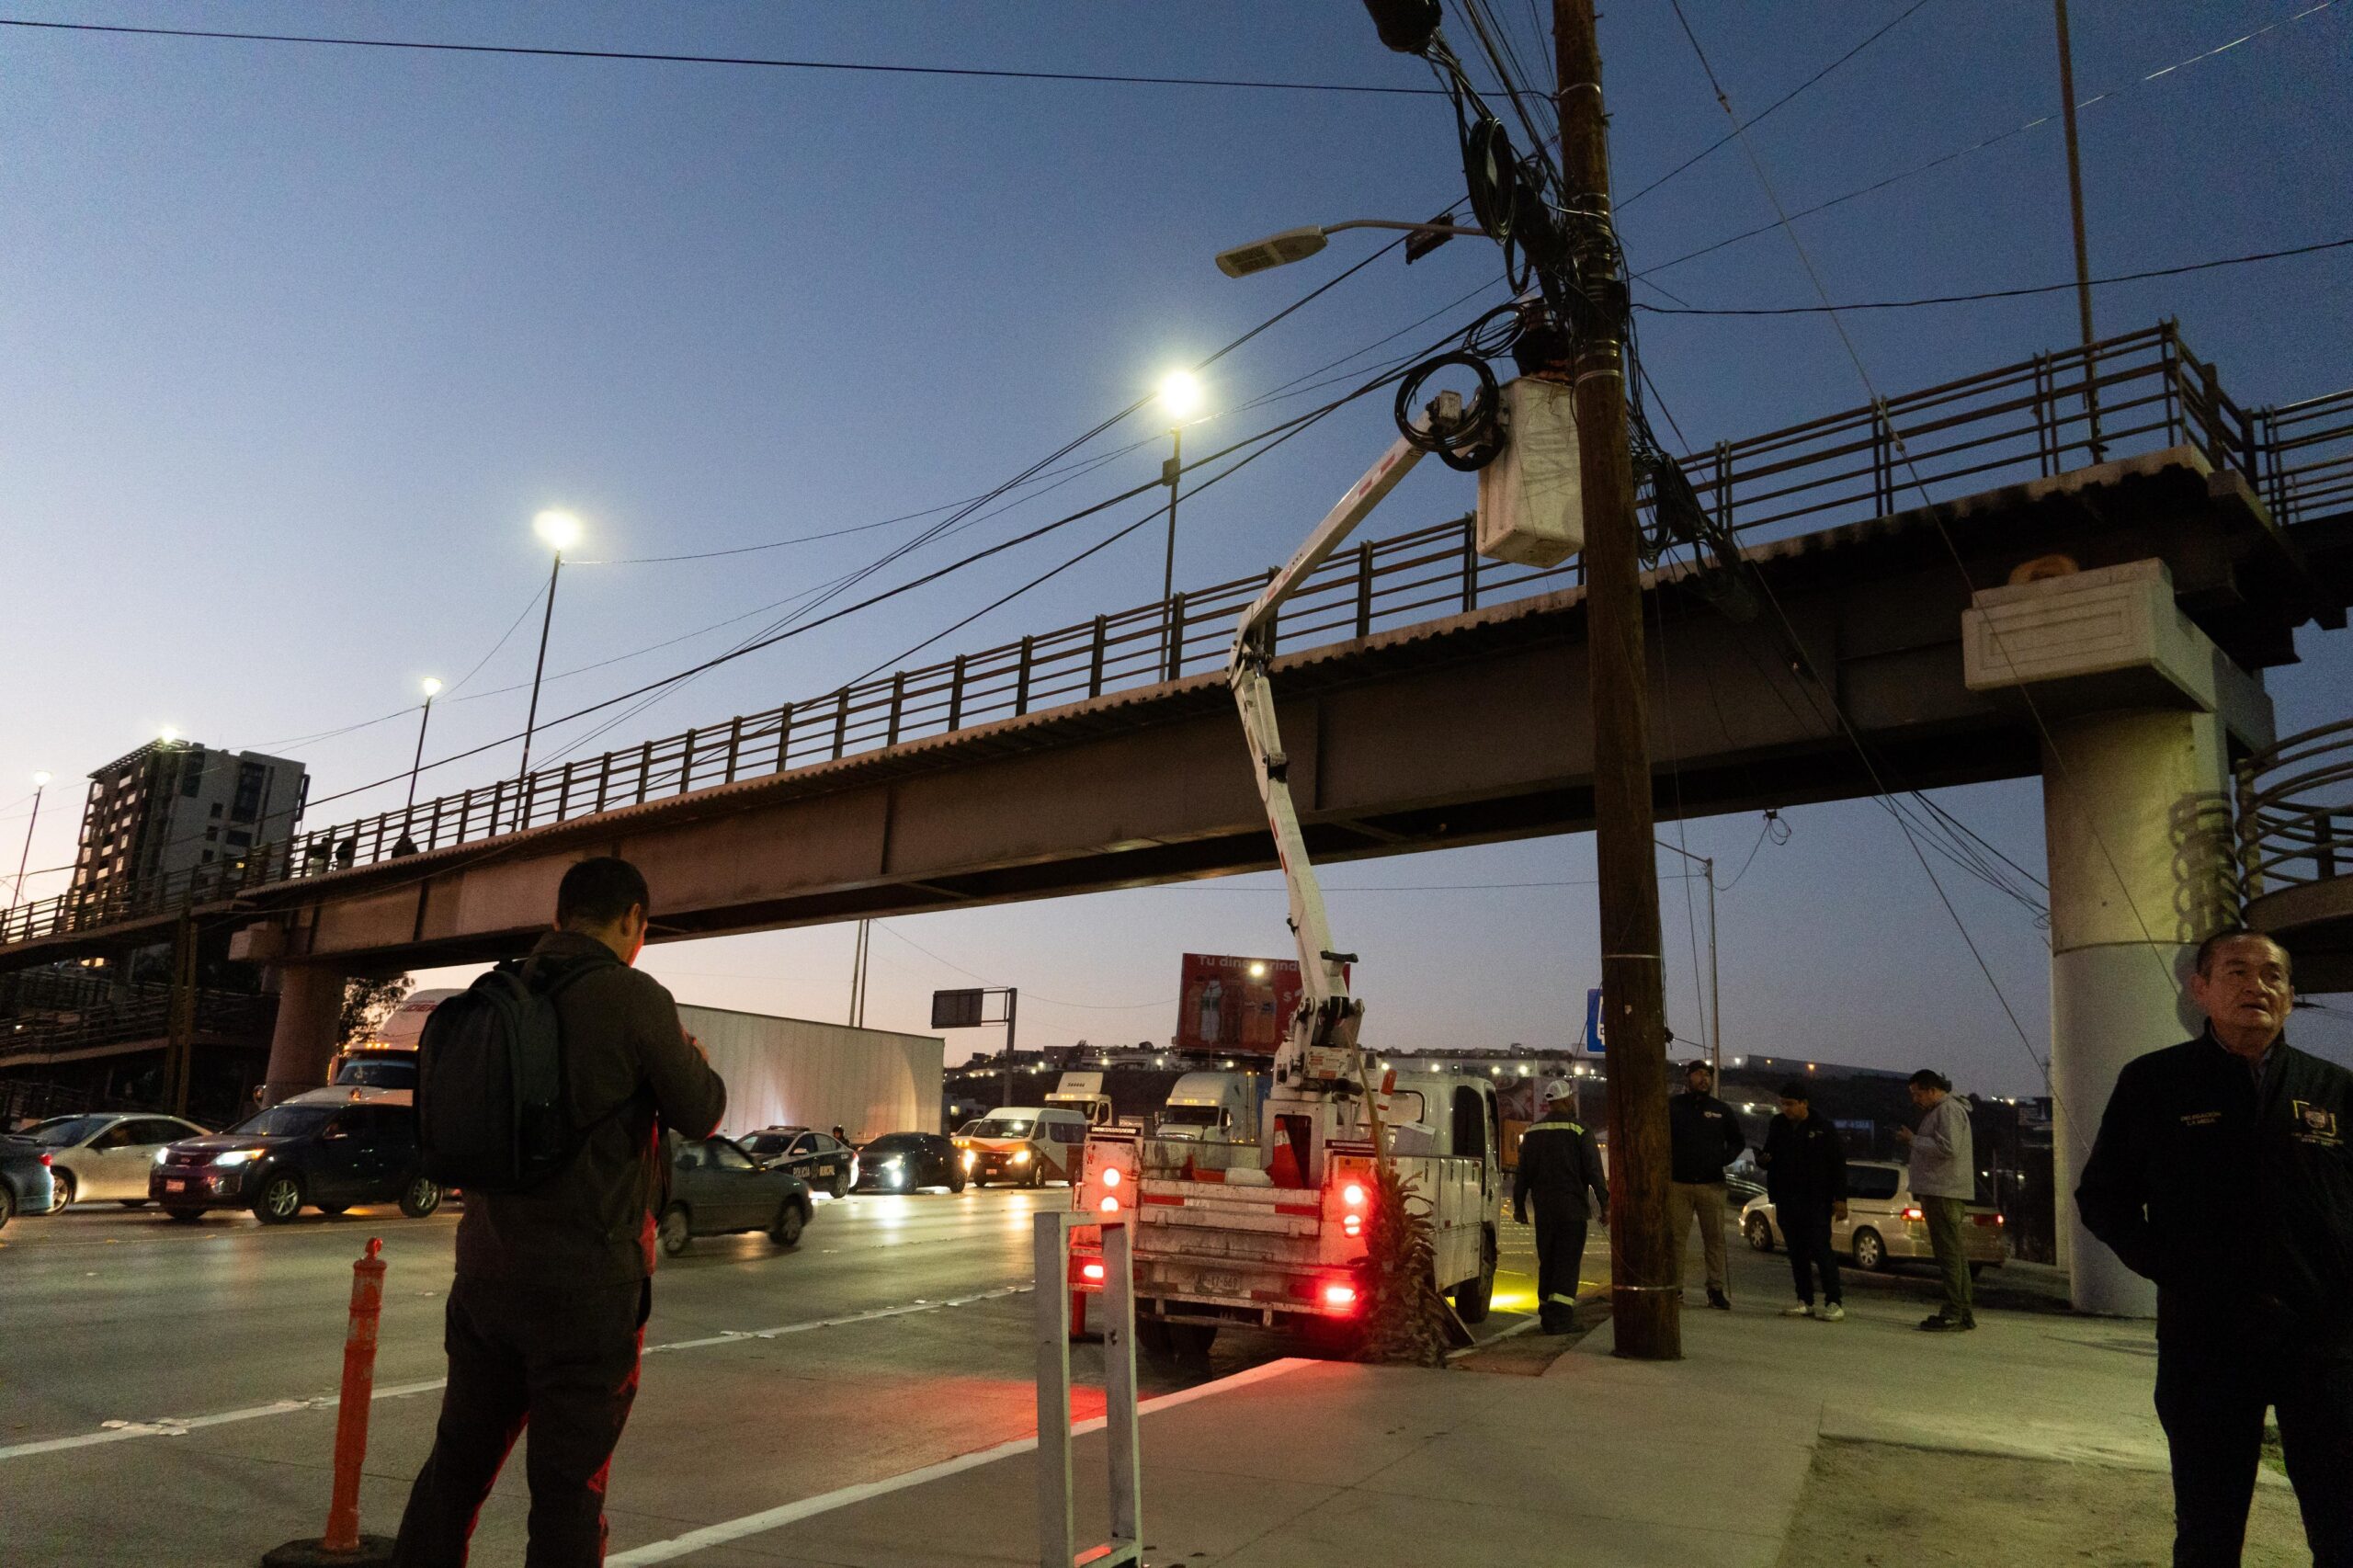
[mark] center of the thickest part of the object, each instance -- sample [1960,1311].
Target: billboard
[1237,1004]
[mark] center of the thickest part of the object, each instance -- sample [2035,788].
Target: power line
[1728,136]
[1649,274]
[1830,310]
[769,62]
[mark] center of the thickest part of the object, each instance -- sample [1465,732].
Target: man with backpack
[562,1175]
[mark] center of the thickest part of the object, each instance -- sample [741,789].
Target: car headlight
[1021,1156]
[970,1158]
[237,1157]
[160,1154]
[892,1163]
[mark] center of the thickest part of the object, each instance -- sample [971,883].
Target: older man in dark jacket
[548,1314]
[2222,1171]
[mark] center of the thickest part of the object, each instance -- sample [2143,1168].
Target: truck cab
[1083,1093]
[1213,1108]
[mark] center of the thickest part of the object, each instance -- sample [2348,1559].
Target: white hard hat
[1559,1089]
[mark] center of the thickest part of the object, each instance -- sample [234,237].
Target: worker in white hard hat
[1559,1162]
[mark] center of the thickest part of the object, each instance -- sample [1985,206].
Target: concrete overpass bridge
[2100,619]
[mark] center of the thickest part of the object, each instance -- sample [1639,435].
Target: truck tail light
[1110,1205]
[1352,1224]
[1340,1298]
[1353,1195]
[1093,1271]
[1110,1176]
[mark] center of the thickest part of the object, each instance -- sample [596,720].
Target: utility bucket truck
[1272,1234]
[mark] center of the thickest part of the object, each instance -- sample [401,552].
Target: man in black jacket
[1704,1137]
[548,1314]
[2222,1172]
[1559,1162]
[1805,1175]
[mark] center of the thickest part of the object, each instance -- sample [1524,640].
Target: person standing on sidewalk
[1805,1175]
[1704,1137]
[2222,1171]
[1944,1178]
[1559,1162]
[547,1315]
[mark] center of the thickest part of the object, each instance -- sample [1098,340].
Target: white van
[1028,1145]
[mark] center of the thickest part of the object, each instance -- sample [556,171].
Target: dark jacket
[1558,1161]
[627,1066]
[1805,1164]
[2226,1195]
[1704,1137]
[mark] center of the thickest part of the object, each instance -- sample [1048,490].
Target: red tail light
[1340,1298]
[1091,1270]
[1110,1176]
[1352,1225]
[1913,1214]
[1110,1205]
[1352,1194]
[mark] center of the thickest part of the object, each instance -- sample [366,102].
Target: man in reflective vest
[1559,1162]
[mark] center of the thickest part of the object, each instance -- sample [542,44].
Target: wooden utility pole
[1646,1302]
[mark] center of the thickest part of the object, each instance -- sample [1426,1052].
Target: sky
[295,341]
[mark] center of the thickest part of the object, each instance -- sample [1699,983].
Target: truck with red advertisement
[1272,1234]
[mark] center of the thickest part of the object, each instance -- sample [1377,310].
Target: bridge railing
[2032,419]
[2295,812]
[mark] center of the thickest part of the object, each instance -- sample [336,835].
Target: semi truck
[1270,1233]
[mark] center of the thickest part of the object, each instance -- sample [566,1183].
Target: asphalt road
[167,1391]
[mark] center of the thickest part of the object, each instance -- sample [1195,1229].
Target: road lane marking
[181,1425]
[728,1530]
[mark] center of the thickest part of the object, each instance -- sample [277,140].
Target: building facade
[172,806]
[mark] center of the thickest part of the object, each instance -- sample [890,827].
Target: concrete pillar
[2139,710]
[2137,823]
[309,998]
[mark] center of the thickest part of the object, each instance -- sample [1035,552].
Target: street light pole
[40,787]
[2083,254]
[559,530]
[1180,399]
[432,689]
[1646,1302]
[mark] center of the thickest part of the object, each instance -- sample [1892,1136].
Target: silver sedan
[104,1157]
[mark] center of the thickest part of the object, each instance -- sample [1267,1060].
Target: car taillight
[1091,1270]
[1913,1214]
[1340,1298]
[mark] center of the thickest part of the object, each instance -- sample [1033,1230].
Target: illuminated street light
[561,530]
[1257,971]
[1181,395]
[166,735]
[1298,244]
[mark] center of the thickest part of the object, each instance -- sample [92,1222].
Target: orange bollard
[343,1543]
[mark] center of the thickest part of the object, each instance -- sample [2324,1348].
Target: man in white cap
[1558,1162]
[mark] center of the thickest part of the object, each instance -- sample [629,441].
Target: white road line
[728,1530]
[181,1425]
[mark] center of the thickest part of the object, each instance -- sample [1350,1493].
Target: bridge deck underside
[1468,729]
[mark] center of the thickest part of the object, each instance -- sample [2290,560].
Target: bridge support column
[309,998]
[2139,711]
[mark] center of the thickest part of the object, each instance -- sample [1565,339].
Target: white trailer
[799,1072]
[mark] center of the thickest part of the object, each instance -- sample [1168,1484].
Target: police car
[826,1164]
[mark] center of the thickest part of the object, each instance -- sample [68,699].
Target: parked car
[902,1162]
[1029,1145]
[1884,1225]
[26,1185]
[105,1156]
[326,1150]
[824,1162]
[717,1189]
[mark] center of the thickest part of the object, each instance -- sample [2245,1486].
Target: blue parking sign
[1596,1037]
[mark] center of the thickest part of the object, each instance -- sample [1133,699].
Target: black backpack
[492,1091]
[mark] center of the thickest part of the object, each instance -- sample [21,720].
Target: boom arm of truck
[1320,1050]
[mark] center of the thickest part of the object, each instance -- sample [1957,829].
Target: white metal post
[1057,1513]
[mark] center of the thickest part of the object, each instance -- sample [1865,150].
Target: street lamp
[560,531]
[1298,244]
[1180,398]
[40,783]
[432,689]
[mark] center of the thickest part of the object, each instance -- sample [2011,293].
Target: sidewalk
[1690,1464]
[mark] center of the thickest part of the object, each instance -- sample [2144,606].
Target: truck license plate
[176,1186]
[1218,1284]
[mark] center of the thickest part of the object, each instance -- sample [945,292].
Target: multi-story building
[173,806]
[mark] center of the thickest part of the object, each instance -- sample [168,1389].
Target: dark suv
[326,1150]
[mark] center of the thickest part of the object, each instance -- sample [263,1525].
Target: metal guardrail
[2295,812]
[2022,421]
[233,1014]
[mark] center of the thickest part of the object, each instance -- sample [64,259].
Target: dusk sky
[295,341]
